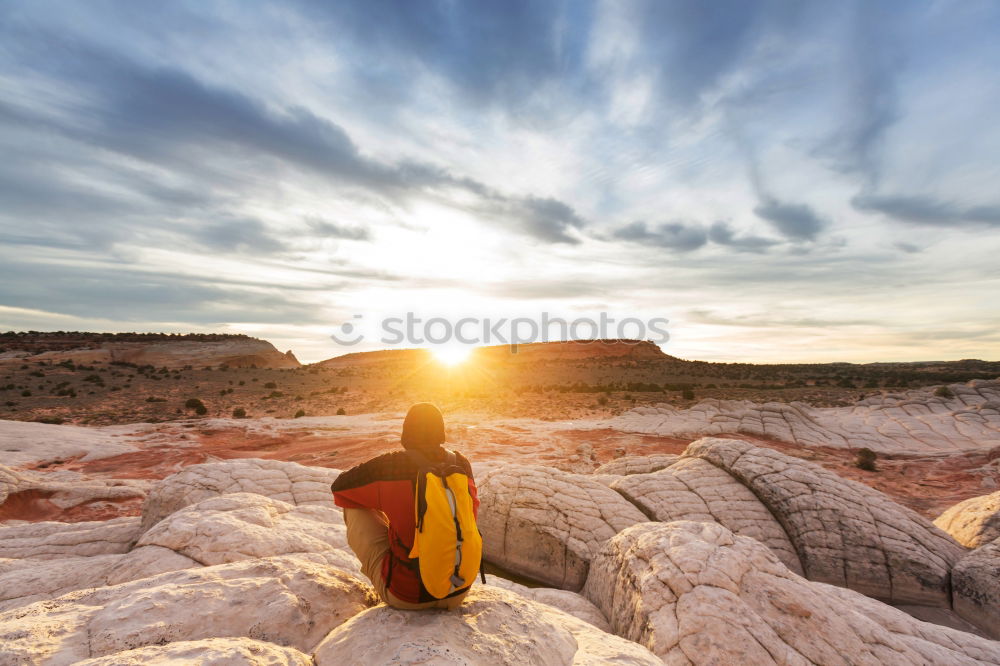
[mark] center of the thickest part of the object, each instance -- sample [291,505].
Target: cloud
[908,248]
[928,211]
[325,229]
[237,235]
[722,233]
[680,236]
[794,221]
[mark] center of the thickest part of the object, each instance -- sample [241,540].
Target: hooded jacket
[387,483]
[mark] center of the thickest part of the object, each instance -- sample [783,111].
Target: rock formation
[277,479]
[695,489]
[695,593]
[546,524]
[50,540]
[916,421]
[975,582]
[569,602]
[637,464]
[974,522]
[26,495]
[217,651]
[845,533]
[492,626]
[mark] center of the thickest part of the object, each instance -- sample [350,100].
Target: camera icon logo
[348,335]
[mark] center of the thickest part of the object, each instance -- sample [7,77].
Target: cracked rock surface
[546,524]
[66,489]
[695,489]
[287,600]
[50,540]
[569,602]
[229,528]
[492,626]
[637,464]
[695,593]
[845,533]
[285,481]
[974,522]
[975,584]
[215,651]
[914,421]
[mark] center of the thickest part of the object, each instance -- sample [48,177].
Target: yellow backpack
[446,542]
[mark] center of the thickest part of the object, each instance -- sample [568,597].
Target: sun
[451,354]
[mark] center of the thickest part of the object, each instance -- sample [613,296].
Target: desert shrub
[193,403]
[865,459]
[242,382]
[602,400]
[37,373]
[153,398]
[239,413]
[299,414]
[25,393]
[201,410]
[270,385]
[944,392]
[687,394]
[341,412]
[52,420]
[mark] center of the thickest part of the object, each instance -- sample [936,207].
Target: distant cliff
[157,349]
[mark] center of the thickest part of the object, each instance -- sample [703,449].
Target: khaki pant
[368,537]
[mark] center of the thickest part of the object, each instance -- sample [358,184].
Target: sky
[783,181]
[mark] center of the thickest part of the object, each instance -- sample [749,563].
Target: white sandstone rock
[974,522]
[695,593]
[287,600]
[492,626]
[569,602]
[49,540]
[695,489]
[913,422]
[277,479]
[214,651]
[238,526]
[845,532]
[975,583]
[67,489]
[638,464]
[546,524]
[47,579]
[27,442]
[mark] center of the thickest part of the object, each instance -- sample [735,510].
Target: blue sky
[782,180]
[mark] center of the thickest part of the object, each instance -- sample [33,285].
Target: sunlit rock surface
[546,524]
[915,421]
[974,522]
[695,593]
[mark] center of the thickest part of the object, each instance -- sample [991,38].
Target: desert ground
[606,472]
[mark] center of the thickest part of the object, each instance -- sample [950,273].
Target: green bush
[239,413]
[341,412]
[944,392]
[26,393]
[687,394]
[193,403]
[201,410]
[865,459]
[299,414]
[270,385]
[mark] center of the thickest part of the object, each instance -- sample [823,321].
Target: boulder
[695,593]
[47,579]
[285,481]
[637,464]
[695,489]
[50,540]
[974,522]
[546,524]
[568,602]
[975,583]
[845,533]
[288,600]
[33,495]
[217,651]
[234,527]
[492,626]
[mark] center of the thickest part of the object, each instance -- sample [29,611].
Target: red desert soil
[927,485]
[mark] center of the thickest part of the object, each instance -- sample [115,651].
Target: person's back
[378,501]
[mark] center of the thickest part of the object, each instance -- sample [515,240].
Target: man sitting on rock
[378,501]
